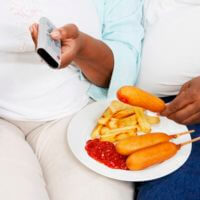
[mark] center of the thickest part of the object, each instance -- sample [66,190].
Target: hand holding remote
[70,38]
[59,47]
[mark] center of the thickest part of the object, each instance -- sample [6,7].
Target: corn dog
[151,155]
[135,143]
[154,155]
[137,97]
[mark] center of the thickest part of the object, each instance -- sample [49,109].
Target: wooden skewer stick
[191,141]
[183,133]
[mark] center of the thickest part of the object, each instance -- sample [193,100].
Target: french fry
[108,139]
[120,121]
[104,131]
[138,128]
[117,106]
[103,120]
[107,113]
[124,113]
[117,131]
[142,121]
[105,116]
[122,136]
[152,119]
[128,121]
[126,135]
[96,132]
[132,133]
[113,123]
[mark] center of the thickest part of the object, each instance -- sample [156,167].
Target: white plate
[79,132]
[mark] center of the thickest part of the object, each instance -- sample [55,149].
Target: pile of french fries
[120,121]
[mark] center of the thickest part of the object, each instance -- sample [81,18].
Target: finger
[183,114]
[194,119]
[185,86]
[34,33]
[67,57]
[65,32]
[178,103]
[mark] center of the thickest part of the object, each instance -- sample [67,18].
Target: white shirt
[29,89]
[171,51]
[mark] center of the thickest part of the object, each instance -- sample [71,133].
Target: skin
[94,58]
[185,108]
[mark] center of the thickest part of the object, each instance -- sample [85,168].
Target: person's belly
[171,51]
[29,89]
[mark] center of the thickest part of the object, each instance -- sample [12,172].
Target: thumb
[69,31]
[181,101]
[55,34]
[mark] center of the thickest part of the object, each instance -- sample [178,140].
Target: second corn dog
[154,155]
[135,143]
[151,155]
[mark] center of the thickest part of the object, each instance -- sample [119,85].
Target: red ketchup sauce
[105,153]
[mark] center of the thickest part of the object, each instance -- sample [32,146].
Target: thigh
[67,178]
[183,184]
[20,172]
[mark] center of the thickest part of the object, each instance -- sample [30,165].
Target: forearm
[95,60]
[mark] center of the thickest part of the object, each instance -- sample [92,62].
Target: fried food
[105,116]
[117,106]
[96,131]
[142,120]
[152,119]
[128,121]
[113,123]
[117,131]
[121,121]
[135,143]
[108,138]
[104,130]
[124,113]
[137,97]
[152,155]
[155,154]
[122,136]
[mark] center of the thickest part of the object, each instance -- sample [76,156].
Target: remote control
[47,48]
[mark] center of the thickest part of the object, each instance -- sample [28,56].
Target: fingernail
[55,34]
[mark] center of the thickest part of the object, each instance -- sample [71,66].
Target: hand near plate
[185,108]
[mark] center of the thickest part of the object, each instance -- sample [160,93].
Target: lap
[20,172]
[65,176]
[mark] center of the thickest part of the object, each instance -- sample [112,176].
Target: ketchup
[105,153]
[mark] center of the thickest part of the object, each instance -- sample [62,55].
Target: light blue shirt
[122,31]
